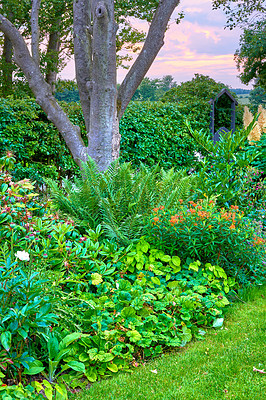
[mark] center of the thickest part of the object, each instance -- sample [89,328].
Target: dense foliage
[120,198]
[224,237]
[155,133]
[84,308]
[250,56]
[25,130]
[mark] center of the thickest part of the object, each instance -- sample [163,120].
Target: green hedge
[151,132]
[38,147]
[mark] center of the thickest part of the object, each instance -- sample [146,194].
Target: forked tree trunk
[95,57]
[103,91]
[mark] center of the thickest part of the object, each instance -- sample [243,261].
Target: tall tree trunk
[7,67]
[103,114]
[43,93]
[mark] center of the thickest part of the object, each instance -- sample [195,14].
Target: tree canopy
[251,55]
[241,13]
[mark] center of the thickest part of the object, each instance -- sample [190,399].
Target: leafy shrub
[260,160]
[36,143]
[153,133]
[224,168]
[120,198]
[15,392]
[201,231]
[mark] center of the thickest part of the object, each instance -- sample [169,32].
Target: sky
[199,44]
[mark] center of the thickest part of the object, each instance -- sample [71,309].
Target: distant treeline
[241,91]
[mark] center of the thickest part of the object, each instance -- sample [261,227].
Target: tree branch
[43,93]
[151,48]
[35,31]
[83,54]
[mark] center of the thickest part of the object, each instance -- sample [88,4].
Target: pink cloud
[199,44]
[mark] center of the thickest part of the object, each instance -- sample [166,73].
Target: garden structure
[217,104]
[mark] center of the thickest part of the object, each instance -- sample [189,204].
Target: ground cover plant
[228,364]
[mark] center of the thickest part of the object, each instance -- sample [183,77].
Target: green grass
[218,367]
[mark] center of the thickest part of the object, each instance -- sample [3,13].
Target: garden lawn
[218,367]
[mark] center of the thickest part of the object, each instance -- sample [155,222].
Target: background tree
[251,55]
[257,96]
[153,89]
[95,32]
[241,13]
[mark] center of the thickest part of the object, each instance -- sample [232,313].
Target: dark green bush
[36,143]
[153,132]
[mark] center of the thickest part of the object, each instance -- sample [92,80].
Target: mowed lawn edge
[218,367]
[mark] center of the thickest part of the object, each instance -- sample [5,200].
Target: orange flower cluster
[228,216]
[155,219]
[203,214]
[258,240]
[158,208]
[175,219]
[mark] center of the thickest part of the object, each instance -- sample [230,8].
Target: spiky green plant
[120,198]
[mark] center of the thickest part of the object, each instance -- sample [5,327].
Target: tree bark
[35,31]
[52,58]
[43,93]
[103,94]
[7,67]
[82,26]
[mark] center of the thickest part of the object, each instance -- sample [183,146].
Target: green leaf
[77,366]
[134,335]
[128,312]
[83,357]
[173,284]
[176,261]
[218,323]
[91,376]
[165,258]
[155,280]
[35,368]
[6,340]
[112,367]
[187,335]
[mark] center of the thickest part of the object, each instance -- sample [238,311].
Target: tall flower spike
[262,118]
[247,117]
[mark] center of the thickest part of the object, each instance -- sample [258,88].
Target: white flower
[22,255]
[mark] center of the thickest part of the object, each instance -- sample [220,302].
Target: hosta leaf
[112,367]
